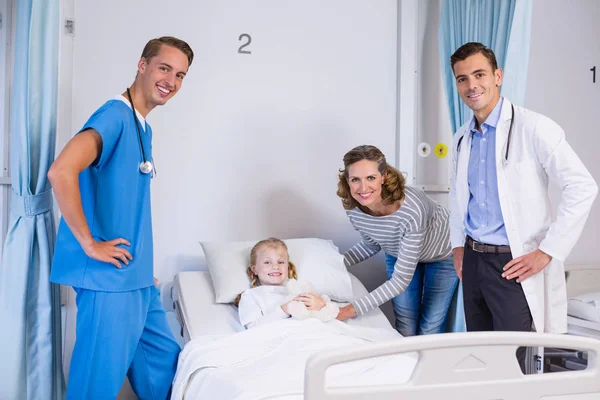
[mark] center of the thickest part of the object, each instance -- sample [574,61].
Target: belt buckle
[478,247]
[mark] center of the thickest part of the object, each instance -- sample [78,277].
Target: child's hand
[311,301]
[155,281]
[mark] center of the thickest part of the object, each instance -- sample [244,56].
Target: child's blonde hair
[270,242]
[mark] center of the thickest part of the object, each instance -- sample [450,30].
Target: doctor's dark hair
[392,188]
[470,49]
[272,243]
[153,47]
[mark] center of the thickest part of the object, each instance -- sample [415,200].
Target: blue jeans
[423,307]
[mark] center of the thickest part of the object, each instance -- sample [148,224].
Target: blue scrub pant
[122,334]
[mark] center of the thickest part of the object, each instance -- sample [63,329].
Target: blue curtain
[30,322]
[502,25]
[505,27]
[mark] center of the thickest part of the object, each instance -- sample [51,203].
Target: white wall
[251,144]
[564,46]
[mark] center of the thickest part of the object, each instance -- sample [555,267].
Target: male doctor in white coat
[507,250]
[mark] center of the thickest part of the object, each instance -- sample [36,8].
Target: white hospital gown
[262,304]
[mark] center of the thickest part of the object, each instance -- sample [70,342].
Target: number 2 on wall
[593,74]
[240,50]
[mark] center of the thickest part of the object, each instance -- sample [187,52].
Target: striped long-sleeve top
[417,232]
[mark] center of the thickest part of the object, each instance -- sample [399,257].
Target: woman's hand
[346,312]
[311,301]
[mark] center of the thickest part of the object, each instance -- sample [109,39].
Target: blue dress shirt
[484,221]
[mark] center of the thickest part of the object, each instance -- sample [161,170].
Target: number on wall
[593,74]
[240,50]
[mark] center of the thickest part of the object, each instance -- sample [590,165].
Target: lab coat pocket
[524,181]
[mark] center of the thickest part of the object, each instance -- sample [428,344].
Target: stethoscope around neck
[146,166]
[510,129]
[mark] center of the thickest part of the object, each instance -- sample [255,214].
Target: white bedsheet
[269,361]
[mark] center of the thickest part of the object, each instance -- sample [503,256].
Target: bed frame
[465,366]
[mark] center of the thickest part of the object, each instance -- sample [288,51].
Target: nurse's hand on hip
[109,252]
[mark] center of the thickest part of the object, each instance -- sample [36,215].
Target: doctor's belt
[486,248]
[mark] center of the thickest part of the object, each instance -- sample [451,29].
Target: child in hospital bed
[276,292]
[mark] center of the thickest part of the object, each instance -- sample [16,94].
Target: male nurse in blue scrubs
[101,182]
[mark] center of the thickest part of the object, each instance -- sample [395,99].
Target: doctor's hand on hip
[109,252]
[527,265]
[346,312]
[458,253]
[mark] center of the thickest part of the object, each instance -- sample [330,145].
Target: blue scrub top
[116,201]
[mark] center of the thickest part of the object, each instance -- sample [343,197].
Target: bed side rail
[466,366]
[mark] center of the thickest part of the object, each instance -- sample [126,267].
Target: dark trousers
[493,303]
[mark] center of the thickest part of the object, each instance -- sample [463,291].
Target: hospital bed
[584,308]
[466,366]
[583,317]
[450,366]
[200,316]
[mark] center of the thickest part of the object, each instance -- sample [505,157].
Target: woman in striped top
[413,231]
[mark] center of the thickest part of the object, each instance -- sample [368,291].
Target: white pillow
[317,261]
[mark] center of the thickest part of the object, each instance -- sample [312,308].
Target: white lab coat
[538,152]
